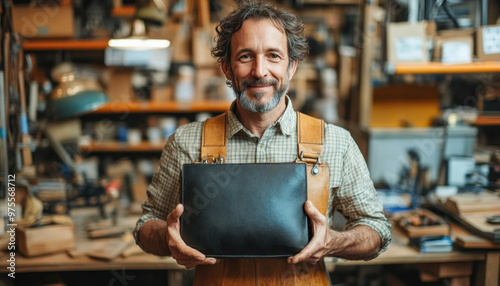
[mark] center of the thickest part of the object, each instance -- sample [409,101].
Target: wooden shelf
[169,106]
[123,11]
[332,2]
[65,44]
[121,147]
[440,68]
[488,120]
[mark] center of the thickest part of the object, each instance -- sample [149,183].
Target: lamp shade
[75,97]
[138,40]
[79,104]
[151,14]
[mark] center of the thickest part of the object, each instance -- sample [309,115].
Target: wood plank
[472,241]
[448,269]
[484,202]
[487,271]
[459,220]
[492,268]
[35,241]
[484,120]
[440,68]
[479,221]
[123,11]
[369,34]
[109,250]
[132,250]
[113,146]
[66,44]
[163,106]
[115,231]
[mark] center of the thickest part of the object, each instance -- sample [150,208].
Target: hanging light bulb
[138,40]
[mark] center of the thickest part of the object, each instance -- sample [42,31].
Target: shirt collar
[286,122]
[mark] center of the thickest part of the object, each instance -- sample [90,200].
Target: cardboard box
[203,42]
[454,46]
[36,241]
[120,85]
[49,21]
[408,42]
[488,43]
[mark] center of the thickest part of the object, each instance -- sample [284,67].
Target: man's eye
[245,57]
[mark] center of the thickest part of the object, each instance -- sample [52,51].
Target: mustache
[260,81]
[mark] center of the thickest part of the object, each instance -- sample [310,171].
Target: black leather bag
[245,210]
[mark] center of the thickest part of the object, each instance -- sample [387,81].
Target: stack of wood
[420,222]
[472,211]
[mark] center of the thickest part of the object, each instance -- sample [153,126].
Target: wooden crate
[411,231]
[36,241]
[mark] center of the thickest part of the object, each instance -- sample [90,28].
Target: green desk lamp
[72,97]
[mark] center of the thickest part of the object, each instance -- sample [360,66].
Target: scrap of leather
[260,272]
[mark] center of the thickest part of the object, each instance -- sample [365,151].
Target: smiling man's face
[260,69]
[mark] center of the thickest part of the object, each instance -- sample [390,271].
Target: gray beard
[256,106]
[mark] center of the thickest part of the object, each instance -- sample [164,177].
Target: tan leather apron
[270,271]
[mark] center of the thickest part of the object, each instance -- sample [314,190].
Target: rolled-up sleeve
[356,198]
[162,193]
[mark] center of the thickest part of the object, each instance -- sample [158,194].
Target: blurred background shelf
[115,146]
[167,106]
[484,120]
[439,68]
[123,11]
[65,44]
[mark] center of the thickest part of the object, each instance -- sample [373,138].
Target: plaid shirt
[351,190]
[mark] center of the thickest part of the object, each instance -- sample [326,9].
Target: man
[258,48]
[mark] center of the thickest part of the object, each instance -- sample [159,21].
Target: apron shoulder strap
[214,139]
[310,137]
[310,140]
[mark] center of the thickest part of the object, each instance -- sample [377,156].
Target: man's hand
[183,254]
[322,238]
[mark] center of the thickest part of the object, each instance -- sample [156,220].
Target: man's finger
[312,211]
[305,253]
[174,216]
[187,252]
[207,261]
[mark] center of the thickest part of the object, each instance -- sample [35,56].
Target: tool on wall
[4,164]
[6,140]
[25,143]
[14,124]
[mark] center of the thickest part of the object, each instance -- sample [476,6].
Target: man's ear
[226,69]
[293,68]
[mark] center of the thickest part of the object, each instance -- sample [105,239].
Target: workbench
[486,262]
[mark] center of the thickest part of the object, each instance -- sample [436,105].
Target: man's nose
[260,68]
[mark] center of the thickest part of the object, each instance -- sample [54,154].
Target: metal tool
[493,219]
